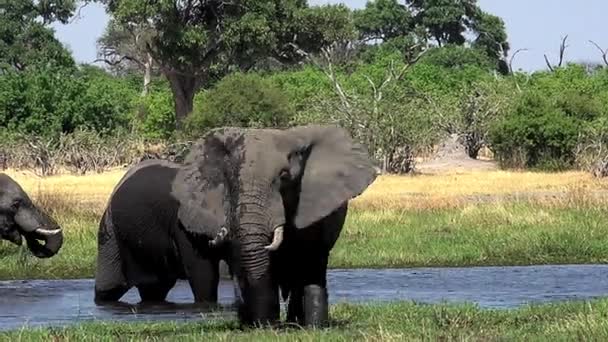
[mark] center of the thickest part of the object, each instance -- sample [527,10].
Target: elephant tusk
[48,232]
[276,239]
[219,237]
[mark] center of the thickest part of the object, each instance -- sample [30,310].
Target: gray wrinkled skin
[300,179]
[143,244]
[20,218]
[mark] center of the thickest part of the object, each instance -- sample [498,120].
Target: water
[63,302]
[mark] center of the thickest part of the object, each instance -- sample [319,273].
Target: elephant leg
[110,281]
[203,273]
[315,299]
[110,295]
[316,310]
[203,276]
[156,292]
[295,307]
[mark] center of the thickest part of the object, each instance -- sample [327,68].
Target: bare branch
[77,15]
[603,51]
[510,64]
[562,51]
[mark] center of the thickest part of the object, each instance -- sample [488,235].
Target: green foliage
[445,21]
[384,20]
[26,41]
[537,134]
[244,100]
[51,101]
[457,57]
[155,118]
[301,86]
[106,102]
[492,38]
[215,38]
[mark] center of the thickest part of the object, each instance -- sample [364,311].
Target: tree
[124,50]
[25,39]
[492,38]
[445,21]
[383,20]
[193,40]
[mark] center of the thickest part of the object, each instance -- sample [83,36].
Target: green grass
[491,234]
[586,321]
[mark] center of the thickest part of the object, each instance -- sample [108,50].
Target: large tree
[434,22]
[195,39]
[26,40]
[123,48]
[384,20]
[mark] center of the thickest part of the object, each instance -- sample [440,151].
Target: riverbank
[489,218]
[375,322]
[475,235]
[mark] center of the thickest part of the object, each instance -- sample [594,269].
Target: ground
[443,216]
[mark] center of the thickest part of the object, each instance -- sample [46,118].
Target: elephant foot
[295,309]
[315,306]
[246,319]
[109,296]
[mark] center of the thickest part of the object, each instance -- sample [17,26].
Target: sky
[535,25]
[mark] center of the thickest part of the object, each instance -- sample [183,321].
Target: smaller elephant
[20,218]
[142,243]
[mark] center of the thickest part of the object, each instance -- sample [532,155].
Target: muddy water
[62,302]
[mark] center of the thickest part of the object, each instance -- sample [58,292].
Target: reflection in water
[61,302]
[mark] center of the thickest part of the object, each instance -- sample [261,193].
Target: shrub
[536,134]
[155,118]
[51,101]
[242,100]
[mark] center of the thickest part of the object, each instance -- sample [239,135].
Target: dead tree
[370,124]
[562,51]
[604,52]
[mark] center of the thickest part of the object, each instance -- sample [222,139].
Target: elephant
[20,218]
[285,195]
[141,243]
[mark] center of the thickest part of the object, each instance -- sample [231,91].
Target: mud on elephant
[285,196]
[20,218]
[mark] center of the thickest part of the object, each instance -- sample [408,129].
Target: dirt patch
[451,156]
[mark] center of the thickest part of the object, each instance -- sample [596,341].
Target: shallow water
[62,302]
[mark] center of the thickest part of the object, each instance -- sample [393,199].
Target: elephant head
[19,218]
[267,180]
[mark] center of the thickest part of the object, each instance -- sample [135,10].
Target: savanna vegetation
[399,75]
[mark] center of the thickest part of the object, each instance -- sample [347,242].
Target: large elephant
[20,218]
[142,244]
[285,195]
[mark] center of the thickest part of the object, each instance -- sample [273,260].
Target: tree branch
[562,50]
[604,52]
[510,64]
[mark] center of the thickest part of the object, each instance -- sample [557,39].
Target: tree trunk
[147,75]
[183,87]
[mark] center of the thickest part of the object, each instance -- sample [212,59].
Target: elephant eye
[15,204]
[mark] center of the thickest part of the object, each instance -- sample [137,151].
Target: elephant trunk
[258,288]
[37,225]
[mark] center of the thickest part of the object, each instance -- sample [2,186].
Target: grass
[586,321]
[488,234]
[397,222]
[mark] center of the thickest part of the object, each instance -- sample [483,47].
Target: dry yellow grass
[387,192]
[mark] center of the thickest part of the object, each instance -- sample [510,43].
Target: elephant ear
[201,184]
[336,170]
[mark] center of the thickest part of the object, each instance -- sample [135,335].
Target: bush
[51,101]
[155,118]
[536,134]
[242,100]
